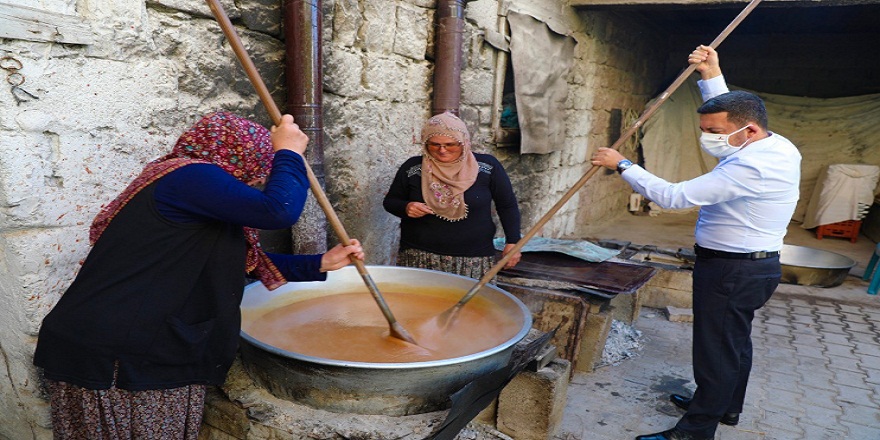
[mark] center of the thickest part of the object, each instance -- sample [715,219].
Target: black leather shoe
[672,434]
[729,419]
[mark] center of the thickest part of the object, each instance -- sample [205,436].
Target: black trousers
[726,294]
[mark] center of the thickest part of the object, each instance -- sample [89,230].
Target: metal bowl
[808,266]
[364,387]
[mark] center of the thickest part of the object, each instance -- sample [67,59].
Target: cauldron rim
[523,331]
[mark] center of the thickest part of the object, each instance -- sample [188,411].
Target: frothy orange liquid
[351,327]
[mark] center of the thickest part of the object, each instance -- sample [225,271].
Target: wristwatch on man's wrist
[623,165]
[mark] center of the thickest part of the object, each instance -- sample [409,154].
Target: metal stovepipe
[302,42]
[447,56]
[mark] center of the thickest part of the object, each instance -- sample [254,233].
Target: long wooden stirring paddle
[397,330]
[446,317]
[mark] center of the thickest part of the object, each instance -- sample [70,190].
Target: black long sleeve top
[469,237]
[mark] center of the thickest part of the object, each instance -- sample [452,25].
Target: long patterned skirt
[115,414]
[474,267]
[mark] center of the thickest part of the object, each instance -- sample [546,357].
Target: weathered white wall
[104,109]
[376,93]
[617,66]
[101,111]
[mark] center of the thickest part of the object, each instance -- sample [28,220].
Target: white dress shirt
[746,201]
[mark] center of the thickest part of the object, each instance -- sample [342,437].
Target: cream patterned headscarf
[444,184]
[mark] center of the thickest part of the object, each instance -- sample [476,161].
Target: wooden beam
[24,23]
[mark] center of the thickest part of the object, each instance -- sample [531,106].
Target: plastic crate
[848,229]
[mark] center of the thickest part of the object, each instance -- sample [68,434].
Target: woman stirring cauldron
[444,201]
[153,314]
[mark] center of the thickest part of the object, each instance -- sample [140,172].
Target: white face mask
[718,144]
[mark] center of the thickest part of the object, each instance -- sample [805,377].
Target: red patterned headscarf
[241,147]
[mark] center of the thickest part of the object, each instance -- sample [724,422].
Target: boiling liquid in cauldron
[351,327]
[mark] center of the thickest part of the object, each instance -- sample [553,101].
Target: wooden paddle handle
[275,114]
[626,135]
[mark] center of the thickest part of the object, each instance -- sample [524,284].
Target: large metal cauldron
[371,388]
[808,266]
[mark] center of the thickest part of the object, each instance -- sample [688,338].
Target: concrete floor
[622,401]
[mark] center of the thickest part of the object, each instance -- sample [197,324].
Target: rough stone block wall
[96,114]
[615,69]
[378,86]
[376,94]
[620,60]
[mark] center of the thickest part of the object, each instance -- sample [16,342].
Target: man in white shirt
[746,203]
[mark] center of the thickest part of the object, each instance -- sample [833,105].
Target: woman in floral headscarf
[153,314]
[444,201]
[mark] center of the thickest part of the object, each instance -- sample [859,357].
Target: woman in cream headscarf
[444,201]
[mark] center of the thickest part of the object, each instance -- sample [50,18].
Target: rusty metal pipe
[448,55]
[302,43]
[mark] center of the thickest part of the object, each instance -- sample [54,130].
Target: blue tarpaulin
[576,248]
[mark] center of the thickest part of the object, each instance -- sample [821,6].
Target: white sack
[837,197]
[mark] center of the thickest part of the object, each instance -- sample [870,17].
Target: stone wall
[634,69]
[99,111]
[619,68]
[93,115]
[377,85]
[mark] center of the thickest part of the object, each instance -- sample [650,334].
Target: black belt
[712,253]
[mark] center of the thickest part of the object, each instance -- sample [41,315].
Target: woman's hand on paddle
[417,209]
[513,258]
[287,136]
[340,256]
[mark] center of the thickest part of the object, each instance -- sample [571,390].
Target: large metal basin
[372,388]
[808,266]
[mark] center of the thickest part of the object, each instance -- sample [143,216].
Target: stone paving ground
[816,373]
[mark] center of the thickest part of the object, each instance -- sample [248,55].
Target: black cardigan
[144,309]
